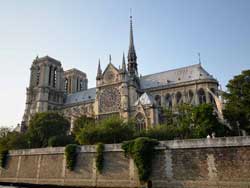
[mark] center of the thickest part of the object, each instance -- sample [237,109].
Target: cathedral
[119,91]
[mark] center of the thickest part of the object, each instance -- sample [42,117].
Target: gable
[111,74]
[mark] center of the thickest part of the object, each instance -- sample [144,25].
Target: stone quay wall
[195,163]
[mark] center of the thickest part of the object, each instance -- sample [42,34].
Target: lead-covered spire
[132,58]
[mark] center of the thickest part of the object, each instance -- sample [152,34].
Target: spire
[131,50]
[109,58]
[132,58]
[199,56]
[99,70]
[123,64]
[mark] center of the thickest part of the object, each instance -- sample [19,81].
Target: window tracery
[140,122]
[110,100]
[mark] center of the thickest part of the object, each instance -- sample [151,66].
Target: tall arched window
[202,96]
[178,97]
[140,122]
[54,78]
[158,100]
[81,85]
[168,100]
[77,84]
[50,74]
[69,85]
[190,96]
[66,84]
[38,76]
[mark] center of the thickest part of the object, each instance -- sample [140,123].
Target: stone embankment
[201,163]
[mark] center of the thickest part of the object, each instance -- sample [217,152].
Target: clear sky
[168,34]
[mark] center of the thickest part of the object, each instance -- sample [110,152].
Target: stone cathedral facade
[119,91]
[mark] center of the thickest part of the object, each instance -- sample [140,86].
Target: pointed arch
[158,100]
[178,97]
[140,122]
[201,96]
[190,96]
[168,99]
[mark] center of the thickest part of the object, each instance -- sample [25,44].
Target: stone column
[207,97]
[168,164]
[196,97]
[45,75]
[38,168]
[163,101]
[69,85]
[32,76]
[212,171]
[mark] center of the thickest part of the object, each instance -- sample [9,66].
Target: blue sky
[168,34]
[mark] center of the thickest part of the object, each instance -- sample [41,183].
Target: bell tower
[46,87]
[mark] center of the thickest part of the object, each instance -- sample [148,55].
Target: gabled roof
[184,74]
[82,96]
[145,99]
[110,65]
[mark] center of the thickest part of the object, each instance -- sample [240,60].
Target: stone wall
[203,163]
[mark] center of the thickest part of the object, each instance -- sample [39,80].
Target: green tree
[4,131]
[81,122]
[237,107]
[109,130]
[45,125]
[205,121]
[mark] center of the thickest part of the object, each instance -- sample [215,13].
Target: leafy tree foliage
[45,125]
[188,122]
[3,157]
[142,151]
[4,131]
[82,122]
[59,141]
[109,130]
[70,153]
[237,107]
[99,158]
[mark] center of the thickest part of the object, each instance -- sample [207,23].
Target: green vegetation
[45,125]
[82,122]
[71,154]
[189,122]
[110,130]
[56,141]
[3,158]
[142,151]
[99,157]
[237,107]
[46,129]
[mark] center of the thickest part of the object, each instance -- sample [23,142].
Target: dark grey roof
[184,74]
[82,96]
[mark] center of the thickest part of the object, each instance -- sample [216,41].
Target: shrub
[57,141]
[99,158]
[82,122]
[160,132]
[3,157]
[110,130]
[142,151]
[71,154]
